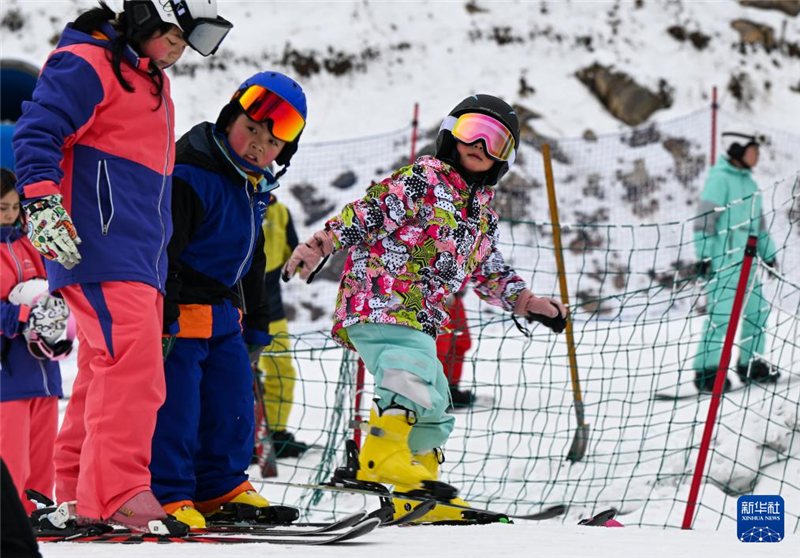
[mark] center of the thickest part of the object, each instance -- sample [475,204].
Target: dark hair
[93,19]
[9,180]
[9,184]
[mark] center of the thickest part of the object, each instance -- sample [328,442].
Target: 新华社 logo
[760,519]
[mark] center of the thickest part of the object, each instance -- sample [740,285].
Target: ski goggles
[202,34]
[747,139]
[263,105]
[471,127]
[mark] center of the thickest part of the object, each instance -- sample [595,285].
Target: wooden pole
[581,440]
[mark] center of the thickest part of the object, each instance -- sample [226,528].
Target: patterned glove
[306,257]
[51,231]
[547,311]
[48,318]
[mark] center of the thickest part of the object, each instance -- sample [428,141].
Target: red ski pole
[708,431]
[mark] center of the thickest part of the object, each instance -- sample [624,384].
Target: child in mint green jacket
[720,241]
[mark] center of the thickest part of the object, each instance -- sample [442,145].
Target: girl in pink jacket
[95,150]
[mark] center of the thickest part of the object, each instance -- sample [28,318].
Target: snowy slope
[436,53]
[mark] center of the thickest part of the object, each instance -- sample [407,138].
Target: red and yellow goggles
[471,127]
[263,105]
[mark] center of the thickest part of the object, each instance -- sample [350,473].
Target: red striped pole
[359,391]
[724,361]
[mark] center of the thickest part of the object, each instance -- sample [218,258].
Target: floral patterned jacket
[412,240]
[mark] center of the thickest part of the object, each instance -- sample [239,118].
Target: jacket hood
[724,164]
[71,37]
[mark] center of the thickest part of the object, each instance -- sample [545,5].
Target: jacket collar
[11,233]
[200,147]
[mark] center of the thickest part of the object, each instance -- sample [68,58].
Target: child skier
[30,382]
[280,239]
[451,346]
[415,238]
[216,317]
[95,150]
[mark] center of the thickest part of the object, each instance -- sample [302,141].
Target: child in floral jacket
[415,238]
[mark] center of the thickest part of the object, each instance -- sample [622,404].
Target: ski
[412,515]
[299,530]
[599,519]
[476,515]
[344,523]
[126,537]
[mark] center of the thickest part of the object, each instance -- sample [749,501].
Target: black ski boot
[286,445]
[704,381]
[758,372]
[461,399]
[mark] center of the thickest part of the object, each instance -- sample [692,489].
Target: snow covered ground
[529,540]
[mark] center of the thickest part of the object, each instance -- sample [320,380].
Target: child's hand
[548,311]
[51,231]
[306,257]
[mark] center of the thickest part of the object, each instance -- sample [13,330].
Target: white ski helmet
[51,328]
[734,143]
[202,28]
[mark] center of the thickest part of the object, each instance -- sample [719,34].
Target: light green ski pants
[407,373]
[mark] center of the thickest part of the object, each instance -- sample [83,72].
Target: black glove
[703,269]
[556,325]
[167,342]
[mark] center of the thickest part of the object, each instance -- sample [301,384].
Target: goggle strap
[448,123]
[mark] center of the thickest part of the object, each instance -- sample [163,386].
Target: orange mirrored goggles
[263,105]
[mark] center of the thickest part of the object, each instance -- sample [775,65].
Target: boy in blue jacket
[216,316]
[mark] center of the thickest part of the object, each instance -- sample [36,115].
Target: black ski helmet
[490,106]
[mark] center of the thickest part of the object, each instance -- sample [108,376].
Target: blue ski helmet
[284,87]
[490,106]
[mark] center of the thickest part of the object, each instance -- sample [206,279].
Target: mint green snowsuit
[721,236]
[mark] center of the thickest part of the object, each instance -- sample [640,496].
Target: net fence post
[714,108]
[708,431]
[414,131]
[357,402]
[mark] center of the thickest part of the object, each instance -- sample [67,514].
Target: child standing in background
[280,239]
[452,345]
[29,386]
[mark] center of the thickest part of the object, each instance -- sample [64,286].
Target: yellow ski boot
[385,456]
[244,503]
[442,512]
[185,512]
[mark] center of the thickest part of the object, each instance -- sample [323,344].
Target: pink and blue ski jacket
[21,375]
[109,152]
[416,237]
